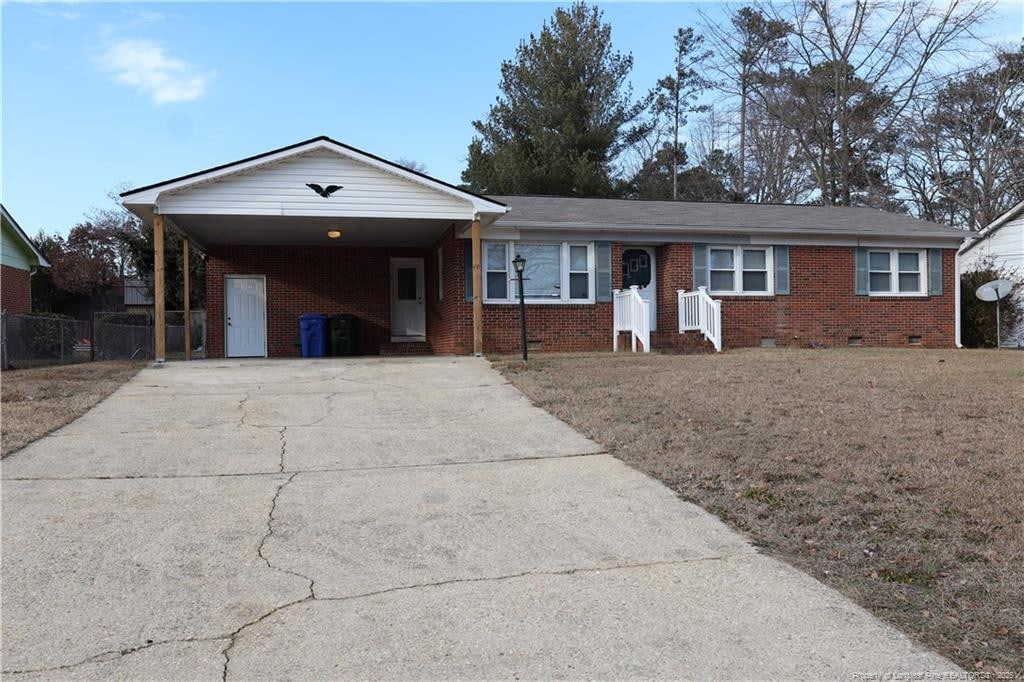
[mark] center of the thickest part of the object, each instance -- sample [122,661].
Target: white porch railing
[631,315]
[699,312]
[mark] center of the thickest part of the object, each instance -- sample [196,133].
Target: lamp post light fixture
[519,263]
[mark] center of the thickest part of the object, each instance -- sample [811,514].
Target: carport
[317,224]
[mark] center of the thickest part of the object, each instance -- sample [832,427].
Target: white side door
[245,331]
[408,313]
[638,269]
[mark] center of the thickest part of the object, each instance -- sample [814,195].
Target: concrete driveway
[400,518]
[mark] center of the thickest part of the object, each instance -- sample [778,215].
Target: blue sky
[96,95]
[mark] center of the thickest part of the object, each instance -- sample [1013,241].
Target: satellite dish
[993,292]
[996,290]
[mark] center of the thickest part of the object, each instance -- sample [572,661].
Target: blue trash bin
[313,332]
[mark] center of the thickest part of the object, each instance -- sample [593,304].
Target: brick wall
[822,307]
[302,279]
[450,320]
[15,290]
[674,271]
[550,327]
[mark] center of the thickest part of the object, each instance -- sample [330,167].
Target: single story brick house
[19,257]
[425,266]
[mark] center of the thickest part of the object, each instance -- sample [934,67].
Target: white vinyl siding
[740,270]
[555,272]
[1004,246]
[897,272]
[280,189]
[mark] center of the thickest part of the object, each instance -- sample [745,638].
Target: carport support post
[478,301]
[185,293]
[158,289]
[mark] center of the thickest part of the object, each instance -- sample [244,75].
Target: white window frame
[486,271]
[894,273]
[737,271]
[440,273]
[563,298]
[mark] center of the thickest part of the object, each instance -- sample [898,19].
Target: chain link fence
[174,334]
[30,340]
[122,336]
[33,340]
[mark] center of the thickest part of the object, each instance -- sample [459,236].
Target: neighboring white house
[1001,242]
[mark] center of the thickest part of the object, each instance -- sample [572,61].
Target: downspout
[956,302]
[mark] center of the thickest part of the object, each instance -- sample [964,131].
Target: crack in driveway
[456,581]
[325,470]
[232,637]
[241,408]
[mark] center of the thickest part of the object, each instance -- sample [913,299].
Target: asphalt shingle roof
[684,216]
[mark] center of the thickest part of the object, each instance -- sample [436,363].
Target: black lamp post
[519,263]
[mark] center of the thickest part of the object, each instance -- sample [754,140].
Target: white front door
[408,315]
[245,331]
[638,269]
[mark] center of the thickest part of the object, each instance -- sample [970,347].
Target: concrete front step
[406,348]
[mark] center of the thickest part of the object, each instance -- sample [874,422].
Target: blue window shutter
[781,269]
[468,250]
[700,266]
[862,271]
[603,283]
[934,272]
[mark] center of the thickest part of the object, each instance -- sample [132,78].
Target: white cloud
[142,17]
[57,13]
[146,66]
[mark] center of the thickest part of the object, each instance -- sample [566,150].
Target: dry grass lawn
[36,401]
[896,476]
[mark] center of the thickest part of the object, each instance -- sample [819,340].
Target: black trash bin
[341,332]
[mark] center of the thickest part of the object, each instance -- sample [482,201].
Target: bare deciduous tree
[962,152]
[744,49]
[851,72]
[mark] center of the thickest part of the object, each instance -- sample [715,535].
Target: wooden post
[186,293]
[478,287]
[158,289]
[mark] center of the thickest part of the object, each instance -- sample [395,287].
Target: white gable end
[280,188]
